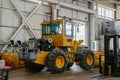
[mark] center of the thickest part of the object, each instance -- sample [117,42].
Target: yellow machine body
[97,55]
[59,40]
[75,44]
[41,58]
[62,49]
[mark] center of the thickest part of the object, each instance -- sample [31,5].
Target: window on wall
[106,13]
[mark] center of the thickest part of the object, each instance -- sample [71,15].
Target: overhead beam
[109,1]
[68,5]
[106,1]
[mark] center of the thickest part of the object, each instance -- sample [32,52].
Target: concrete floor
[75,73]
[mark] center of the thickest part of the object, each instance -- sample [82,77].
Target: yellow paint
[12,58]
[16,60]
[89,59]
[61,40]
[97,54]
[60,61]
[75,45]
[77,63]
[53,21]
[58,39]
[21,63]
[6,56]
[41,58]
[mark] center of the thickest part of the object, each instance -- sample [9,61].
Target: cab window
[53,28]
[68,29]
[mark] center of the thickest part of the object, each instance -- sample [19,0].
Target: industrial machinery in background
[57,50]
[110,61]
[13,55]
[102,27]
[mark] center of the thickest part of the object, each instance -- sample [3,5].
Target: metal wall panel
[5,33]
[0,11]
[84,4]
[23,35]
[38,19]
[29,6]
[21,4]
[83,16]
[32,21]
[38,32]
[65,12]
[16,19]
[80,3]
[10,20]
[7,4]
[43,9]
[68,1]
[0,3]
[25,6]
[7,17]
[73,14]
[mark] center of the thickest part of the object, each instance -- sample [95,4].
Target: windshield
[68,29]
[52,28]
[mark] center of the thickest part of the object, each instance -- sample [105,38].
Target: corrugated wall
[118,14]
[107,4]
[73,14]
[81,3]
[10,20]
[76,15]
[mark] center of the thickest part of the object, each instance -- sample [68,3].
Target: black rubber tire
[51,61]
[83,63]
[33,67]
[70,65]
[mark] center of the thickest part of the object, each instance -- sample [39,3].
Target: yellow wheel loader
[57,50]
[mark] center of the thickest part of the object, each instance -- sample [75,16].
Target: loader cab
[61,31]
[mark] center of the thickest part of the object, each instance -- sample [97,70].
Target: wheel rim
[89,59]
[60,61]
